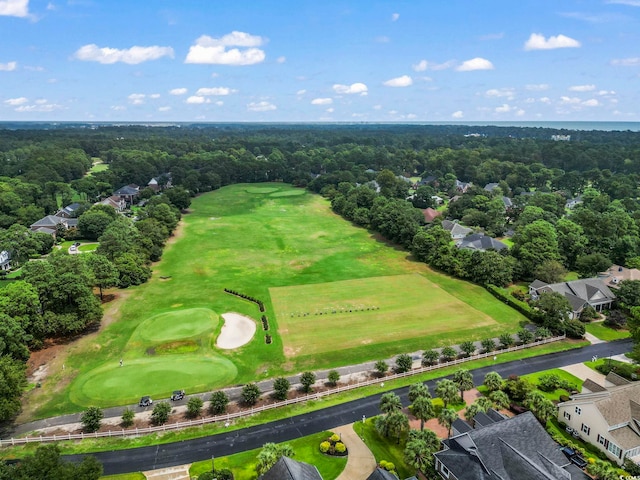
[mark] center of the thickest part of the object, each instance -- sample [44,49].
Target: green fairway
[285,247]
[366,311]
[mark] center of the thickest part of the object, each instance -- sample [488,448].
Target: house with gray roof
[5,260]
[462,187]
[457,231]
[70,211]
[579,293]
[481,242]
[382,474]
[49,224]
[490,187]
[128,193]
[517,448]
[288,469]
[607,416]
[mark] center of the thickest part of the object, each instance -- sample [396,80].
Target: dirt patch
[178,233]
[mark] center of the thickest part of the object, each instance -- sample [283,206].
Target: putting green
[261,189]
[158,377]
[170,326]
[289,193]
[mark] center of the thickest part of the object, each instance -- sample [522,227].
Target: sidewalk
[360,462]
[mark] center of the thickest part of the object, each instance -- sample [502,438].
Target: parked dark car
[177,395]
[574,457]
[145,401]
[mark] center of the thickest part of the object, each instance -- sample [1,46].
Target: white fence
[229,416]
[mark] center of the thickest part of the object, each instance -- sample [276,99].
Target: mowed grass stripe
[367,311]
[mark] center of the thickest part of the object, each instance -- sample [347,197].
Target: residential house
[70,211]
[430,214]
[118,203]
[616,274]
[437,199]
[511,449]
[490,187]
[429,180]
[579,293]
[481,242]
[382,474]
[5,260]
[572,202]
[159,183]
[128,193]
[288,469]
[508,203]
[49,224]
[462,187]
[457,231]
[607,416]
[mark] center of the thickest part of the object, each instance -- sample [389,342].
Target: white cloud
[564,100]
[16,101]
[475,64]
[544,100]
[260,106]
[504,108]
[539,87]
[132,56]
[631,3]
[591,103]
[377,107]
[442,66]
[322,101]
[281,59]
[421,66]
[354,88]
[509,93]
[154,95]
[530,100]
[520,112]
[8,67]
[118,108]
[403,81]
[197,100]
[626,62]
[301,92]
[411,116]
[14,8]
[395,17]
[216,91]
[178,91]
[606,92]
[210,50]
[137,98]
[164,109]
[40,107]
[219,103]
[457,114]
[538,42]
[330,110]
[582,88]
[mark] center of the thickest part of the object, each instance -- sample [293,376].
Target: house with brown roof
[430,214]
[617,273]
[608,417]
[579,293]
[118,203]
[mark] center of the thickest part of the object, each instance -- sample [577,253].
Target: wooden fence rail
[251,411]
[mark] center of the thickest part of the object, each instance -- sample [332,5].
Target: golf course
[332,294]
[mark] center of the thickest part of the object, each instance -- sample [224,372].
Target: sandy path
[360,462]
[237,330]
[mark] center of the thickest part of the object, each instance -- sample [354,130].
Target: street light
[213,468]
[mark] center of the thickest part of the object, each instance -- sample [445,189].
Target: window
[613,448]
[586,428]
[603,441]
[567,415]
[578,410]
[442,469]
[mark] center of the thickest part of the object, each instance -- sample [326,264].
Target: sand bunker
[236,331]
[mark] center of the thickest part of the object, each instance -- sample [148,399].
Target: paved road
[162,456]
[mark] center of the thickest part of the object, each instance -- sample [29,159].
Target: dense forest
[565,205]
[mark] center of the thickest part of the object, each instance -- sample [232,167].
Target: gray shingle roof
[381,474]
[480,241]
[288,469]
[514,449]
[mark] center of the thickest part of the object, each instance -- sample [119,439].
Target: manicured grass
[255,239]
[605,333]
[366,311]
[97,166]
[126,476]
[555,395]
[306,449]
[384,448]
[88,247]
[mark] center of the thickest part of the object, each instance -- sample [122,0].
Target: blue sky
[330,60]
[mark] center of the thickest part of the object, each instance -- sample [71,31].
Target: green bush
[340,447]
[334,438]
[520,306]
[574,328]
[325,446]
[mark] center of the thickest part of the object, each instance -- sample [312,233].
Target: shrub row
[521,307]
[265,323]
[246,297]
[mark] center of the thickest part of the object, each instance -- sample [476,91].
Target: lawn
[555,395]
[306,449]
[384,448]
[608,334]
[264,240]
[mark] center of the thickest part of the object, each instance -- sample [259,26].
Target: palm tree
[447,417]
[506,340]
[429,357]
[540,406]
[500,399]
[420,448]
[448,353]
[418,390]
[390,402]
[270,454]
[493,381]
[423,410]
[397,424]
[468,347]
[471,411]
[464,380]
[485,403]
[447,391]
[488,344]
